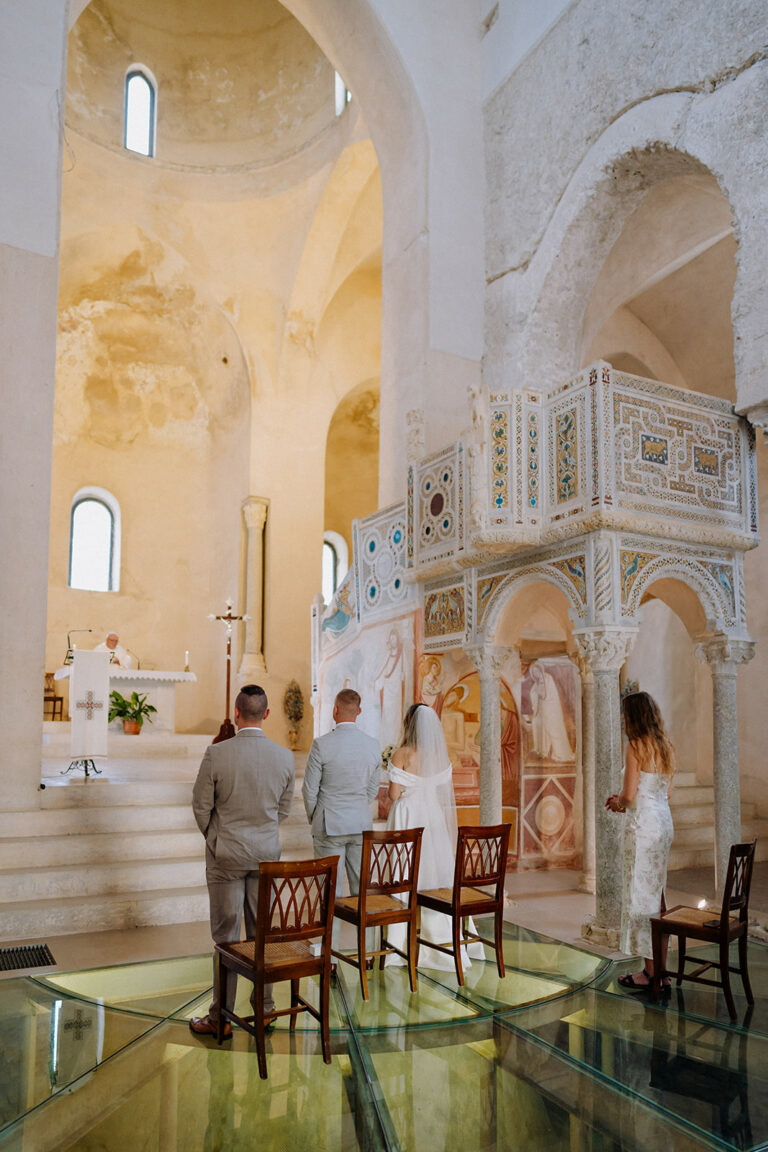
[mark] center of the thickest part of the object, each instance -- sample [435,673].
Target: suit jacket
[244,788]
[340,781]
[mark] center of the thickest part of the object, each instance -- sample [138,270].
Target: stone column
[588,876]
[605,650]
[489,659]
[724,654]
[255,515]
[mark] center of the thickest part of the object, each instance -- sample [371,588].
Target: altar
[159,686]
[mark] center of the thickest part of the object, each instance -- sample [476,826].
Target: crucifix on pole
[227,729]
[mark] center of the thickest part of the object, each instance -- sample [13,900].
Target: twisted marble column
[255,515]
[724,654]
[605,650]
[489,659]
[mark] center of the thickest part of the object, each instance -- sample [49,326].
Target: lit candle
[186,661]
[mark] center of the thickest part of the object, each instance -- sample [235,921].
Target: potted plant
[132,711]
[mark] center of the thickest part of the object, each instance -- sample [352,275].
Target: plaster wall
[195,370]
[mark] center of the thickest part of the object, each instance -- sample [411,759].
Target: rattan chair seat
[372,903]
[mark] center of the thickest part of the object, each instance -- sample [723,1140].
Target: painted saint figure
[549,738]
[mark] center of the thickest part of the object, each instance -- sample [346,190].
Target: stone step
[81,821]
[64,915]
[685,815]
[702,857]
[685,780]
[695,794]
[106,878]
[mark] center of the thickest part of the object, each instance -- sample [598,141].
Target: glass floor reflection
[554,1056]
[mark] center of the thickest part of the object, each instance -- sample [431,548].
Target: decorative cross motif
[89,704]
[77,1025]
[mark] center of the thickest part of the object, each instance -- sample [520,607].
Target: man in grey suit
[340,781]
[243,790]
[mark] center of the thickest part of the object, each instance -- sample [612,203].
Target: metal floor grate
[27,956]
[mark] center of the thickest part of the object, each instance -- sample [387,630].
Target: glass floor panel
[552,1057]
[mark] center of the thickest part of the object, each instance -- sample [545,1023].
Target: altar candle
[186,657]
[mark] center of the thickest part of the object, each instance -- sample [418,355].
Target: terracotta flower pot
[131,727]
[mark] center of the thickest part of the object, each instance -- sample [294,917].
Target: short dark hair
[252,702]
[348,700]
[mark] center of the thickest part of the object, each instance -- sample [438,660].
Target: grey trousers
[229,900]
[350,850]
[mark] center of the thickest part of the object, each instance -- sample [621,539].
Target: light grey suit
[244,788]
[340,781]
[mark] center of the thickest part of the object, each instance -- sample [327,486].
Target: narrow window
[94,542]
[335,563]
[139,114]
[330,570]
[341,93]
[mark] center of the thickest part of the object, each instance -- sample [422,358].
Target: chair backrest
[296,899]
[390,862]
[481,856]
[738,880]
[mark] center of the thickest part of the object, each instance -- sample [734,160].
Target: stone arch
[672,134]
[698,595]
[525,587]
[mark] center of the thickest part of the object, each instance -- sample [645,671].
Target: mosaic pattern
[380,554]
[716,578]
[701,444]
[532,458]
[500,458]
[566,455]
[563,568]
[438,513]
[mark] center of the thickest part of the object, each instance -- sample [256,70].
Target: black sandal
[631,984]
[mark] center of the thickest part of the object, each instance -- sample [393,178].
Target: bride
[421,788]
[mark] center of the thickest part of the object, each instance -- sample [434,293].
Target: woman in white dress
[421,788]
[648,770]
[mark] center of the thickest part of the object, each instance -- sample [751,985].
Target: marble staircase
[693,816]
[115,851]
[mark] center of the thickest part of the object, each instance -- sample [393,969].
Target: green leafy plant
[135,708]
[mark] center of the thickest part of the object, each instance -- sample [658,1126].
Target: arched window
[341,94]
[335,563]
[94,541]
[140,113]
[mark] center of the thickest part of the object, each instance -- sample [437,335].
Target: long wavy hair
[646,732]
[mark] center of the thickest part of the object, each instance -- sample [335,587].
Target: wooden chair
[481,861]
[295,905]
[389,866]
[699,924]
[51,699]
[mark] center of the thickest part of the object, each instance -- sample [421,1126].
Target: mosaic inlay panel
[701,443]
[500,458]
[438,495]
[380,551]
[566,454]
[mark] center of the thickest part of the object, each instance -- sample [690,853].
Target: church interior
[419,349]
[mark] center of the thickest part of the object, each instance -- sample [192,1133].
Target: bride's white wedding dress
[422,804]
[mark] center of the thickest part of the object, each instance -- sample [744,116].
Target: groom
[340,781]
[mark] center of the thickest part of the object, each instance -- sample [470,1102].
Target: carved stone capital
[725,653]
[605,649]
[488,659]
[414,435]
[757,414]
[255,512]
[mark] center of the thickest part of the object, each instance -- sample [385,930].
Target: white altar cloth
[159,685]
